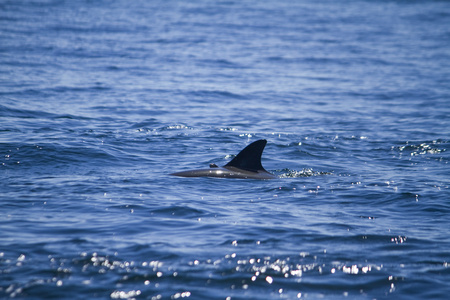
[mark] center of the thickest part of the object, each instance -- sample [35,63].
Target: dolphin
[247,165]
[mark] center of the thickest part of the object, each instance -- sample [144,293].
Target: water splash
[288,173]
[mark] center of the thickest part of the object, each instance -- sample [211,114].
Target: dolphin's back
[247,164]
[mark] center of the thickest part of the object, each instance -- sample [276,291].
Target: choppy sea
[101,100]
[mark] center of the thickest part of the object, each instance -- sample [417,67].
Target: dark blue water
[100,100]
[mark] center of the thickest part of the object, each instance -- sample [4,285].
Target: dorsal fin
[250,157]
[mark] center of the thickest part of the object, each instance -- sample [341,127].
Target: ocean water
[101,100]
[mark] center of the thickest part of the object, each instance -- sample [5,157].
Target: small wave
[175,127]
[414,149]
[180,211]
[23,113]
[6,111]
[216,94]
[54,157]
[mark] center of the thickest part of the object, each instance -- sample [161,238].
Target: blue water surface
[101,100]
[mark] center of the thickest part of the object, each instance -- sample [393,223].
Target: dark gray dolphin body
[247,164]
